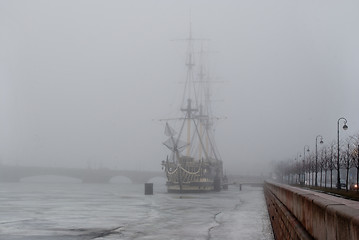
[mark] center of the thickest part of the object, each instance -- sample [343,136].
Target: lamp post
[306,147]
[316,158]
[345,127]
[356,155]
[298,166]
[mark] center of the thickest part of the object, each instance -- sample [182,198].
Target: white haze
[83,83]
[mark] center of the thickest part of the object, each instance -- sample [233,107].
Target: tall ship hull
[193,176]
[194,163]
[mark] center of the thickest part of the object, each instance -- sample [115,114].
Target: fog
[85,83]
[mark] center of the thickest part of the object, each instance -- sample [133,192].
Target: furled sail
[173,146]
[169,132]
[172,143]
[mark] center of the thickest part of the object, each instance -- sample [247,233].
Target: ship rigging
[194,165]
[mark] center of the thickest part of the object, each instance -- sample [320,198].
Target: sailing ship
[194,165]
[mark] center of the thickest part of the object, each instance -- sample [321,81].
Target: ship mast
[190,90]
[195,106]
[196,97]
[198,169]
[202,103]
[189,116]
[205,117]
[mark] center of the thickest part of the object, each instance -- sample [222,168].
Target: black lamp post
[316,158]
[355,157]
[298,166]
[306,147]
[345,127]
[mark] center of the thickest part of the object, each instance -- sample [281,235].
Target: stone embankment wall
[302,214]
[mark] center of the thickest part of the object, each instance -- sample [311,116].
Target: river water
[30,211]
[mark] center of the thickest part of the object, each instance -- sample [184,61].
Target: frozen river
[36,211]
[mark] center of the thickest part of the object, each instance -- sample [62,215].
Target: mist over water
[83,84]
[121,211]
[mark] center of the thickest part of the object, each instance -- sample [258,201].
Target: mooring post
[148,188]
[240,187]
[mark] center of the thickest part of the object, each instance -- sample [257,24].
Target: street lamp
[306,147]
[356,164]
[316,158]
[345,127]
[298,166]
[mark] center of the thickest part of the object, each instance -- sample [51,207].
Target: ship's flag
[169,131]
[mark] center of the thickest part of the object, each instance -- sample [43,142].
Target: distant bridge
[16,173]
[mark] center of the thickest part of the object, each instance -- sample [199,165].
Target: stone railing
[303,214]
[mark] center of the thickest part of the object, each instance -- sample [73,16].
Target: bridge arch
[16,173]
[50,179]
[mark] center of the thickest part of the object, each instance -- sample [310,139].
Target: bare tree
[355,158]
[331,164]
[312,167]
[282,171]
[347,164]
[307,168]
[349,158]
[297,170]
[326,164]
[322,166]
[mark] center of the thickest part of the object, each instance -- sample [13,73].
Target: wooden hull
[193,176]
[193,187]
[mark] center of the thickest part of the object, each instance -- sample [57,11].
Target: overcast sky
[85,82]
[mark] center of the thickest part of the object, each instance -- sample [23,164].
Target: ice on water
[122,211]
